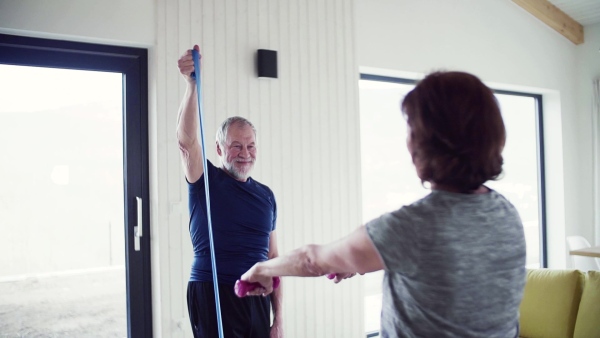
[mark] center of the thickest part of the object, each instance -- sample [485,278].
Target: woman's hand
[254,276]
[338,277]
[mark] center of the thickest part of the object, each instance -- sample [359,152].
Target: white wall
[307,123]
[507,48]
[129,23]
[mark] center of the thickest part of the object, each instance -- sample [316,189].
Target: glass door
[62,253]
[74,259]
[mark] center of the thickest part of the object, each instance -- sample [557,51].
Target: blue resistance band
[196,75]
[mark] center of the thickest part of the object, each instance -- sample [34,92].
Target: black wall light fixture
[266,62]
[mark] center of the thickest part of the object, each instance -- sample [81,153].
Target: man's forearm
[276,303]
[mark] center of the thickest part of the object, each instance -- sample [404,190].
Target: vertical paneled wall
[308,141]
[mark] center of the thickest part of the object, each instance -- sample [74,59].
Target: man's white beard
[235,172]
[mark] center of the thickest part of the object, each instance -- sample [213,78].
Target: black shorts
[246,317]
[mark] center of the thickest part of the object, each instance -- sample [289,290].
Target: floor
[78,305]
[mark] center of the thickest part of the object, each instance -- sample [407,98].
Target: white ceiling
[586,12]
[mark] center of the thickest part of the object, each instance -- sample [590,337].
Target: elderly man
[243,214]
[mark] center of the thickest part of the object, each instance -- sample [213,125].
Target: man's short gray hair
[222,131]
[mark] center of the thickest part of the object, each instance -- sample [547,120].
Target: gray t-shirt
[454,266]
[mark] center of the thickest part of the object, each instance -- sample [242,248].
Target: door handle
[137,230]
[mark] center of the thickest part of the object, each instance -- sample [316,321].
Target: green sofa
[561,304]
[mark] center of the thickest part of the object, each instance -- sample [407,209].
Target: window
[390,180]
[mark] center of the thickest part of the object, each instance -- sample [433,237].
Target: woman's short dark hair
[456,130]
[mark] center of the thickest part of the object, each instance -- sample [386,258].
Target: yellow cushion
[588,317]
[550,303]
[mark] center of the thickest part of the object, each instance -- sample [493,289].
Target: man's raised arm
[188,122]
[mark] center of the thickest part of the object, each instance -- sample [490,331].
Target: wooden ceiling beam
[555,18]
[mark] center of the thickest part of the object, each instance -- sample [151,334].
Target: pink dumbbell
[242,287]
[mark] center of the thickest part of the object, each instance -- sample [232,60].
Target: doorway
[74,204]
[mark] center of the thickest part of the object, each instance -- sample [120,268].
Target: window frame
[133,64]
[539,122]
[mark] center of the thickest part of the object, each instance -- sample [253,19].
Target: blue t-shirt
[243,215]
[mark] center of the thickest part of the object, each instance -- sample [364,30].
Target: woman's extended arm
[350,254]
